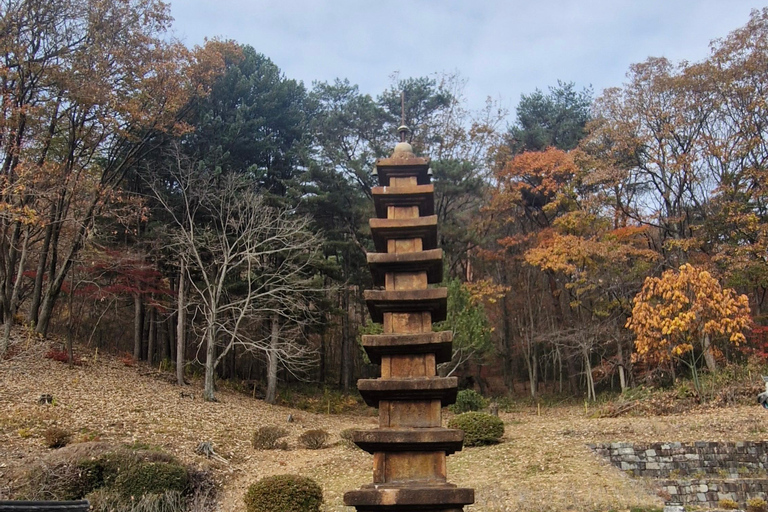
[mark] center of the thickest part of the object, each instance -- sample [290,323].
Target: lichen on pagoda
[410,445]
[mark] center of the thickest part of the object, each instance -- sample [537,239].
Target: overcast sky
[503,48]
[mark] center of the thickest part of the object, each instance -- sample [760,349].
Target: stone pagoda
[410,446]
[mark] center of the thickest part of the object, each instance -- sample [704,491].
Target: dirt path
[543,463]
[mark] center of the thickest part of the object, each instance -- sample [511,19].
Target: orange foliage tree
[87,90]
[683,310]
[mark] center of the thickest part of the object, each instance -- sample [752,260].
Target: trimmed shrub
[77,471]
[479,428]
[346,437]
[757,505]
[468,400]
[727,504]
[56,437]
[284,493]
[268,438]
[103,500]
[151,478]
[313,439]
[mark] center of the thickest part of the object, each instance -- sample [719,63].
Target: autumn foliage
[680,311]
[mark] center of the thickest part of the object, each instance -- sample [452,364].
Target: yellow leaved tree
[683,312]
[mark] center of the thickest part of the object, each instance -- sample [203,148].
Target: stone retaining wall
[709,492]
[674,460]
[700,473]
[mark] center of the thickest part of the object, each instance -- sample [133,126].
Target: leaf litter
[543,463]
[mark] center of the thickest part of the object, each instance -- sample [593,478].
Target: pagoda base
[410,498]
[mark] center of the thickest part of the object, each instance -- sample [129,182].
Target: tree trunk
[37,292]
[138,325]
[345,357]
[622,375]
[532,363]
[209,391]
[180,327]
[588,373]
[709,357]
[272,360]
[151,336]
[166,340]
[15,294]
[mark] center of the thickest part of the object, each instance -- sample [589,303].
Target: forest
[197,209]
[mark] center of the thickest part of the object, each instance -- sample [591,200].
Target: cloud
[503,48]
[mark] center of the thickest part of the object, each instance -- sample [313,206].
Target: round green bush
[479,428]
[284,493]
[151,478]
[468,400]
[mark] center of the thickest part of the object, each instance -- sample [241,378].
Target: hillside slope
[542,464]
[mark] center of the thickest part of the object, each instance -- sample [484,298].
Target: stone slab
[422,196]
[430,261]
[439,343]
[409,440]
[420,388]
[416,227]
[432,300]
[442,498]
[388,168]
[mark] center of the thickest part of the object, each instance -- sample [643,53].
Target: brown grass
[542,464]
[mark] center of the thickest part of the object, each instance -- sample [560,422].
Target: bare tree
[248,265]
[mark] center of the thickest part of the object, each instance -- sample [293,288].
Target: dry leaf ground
[543,463]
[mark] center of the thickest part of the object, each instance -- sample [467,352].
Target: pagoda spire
[410,445]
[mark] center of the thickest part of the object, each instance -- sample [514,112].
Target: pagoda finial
[403,149]
[402,108]
[403,130]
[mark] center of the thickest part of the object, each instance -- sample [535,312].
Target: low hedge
[479,428]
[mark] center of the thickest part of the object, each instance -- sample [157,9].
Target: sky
[502,48]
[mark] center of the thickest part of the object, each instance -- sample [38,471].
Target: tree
[734,148]
[86,88]
[467,320]
[254,122]
[249,265]
[557,119]
[685,310]
[652,127]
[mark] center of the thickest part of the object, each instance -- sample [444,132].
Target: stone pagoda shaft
[410,446]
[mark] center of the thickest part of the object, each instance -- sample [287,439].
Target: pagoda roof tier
[409,440]
[388,168]
[392,229]
[439,343]
[432,300]
[409,388]
[409,497]
[422,196]
[430,262]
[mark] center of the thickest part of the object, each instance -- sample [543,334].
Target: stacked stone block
[700,473]
[410,446]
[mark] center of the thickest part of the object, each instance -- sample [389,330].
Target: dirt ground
[543,462]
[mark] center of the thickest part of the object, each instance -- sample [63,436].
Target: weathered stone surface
[410,446]
[421,196]
[433,300]
[699,473]
[408,440]
[430,262]
[438,343]
[427,388]
[388,168]
[443,498]
[424,228]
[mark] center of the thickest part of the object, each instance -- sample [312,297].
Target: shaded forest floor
[542,464]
